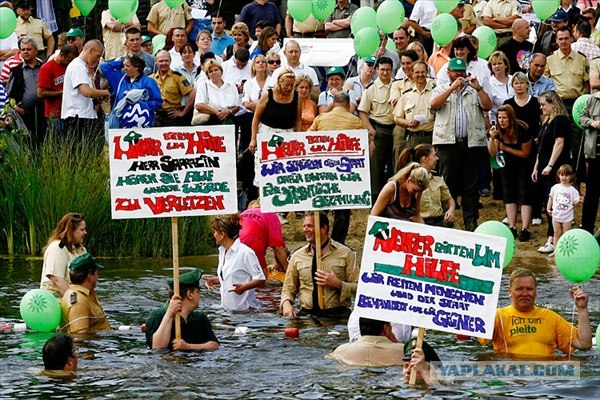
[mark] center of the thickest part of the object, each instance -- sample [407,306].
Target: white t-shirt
[238,265]
[563,201]
[252,91]
[56,262]
[10,43]
[221,98]
[424,12]
[73,102]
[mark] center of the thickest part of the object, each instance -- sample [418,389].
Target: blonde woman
[309,108]
[400,198]
[273,62]
[279,109]
[241,36]
[418,48]
[216,97]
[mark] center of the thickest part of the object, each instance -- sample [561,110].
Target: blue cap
[559,16]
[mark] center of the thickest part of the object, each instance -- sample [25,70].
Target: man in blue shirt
[538,83]
[260,10]
[220,38]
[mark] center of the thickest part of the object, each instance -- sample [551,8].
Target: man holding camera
[459,135]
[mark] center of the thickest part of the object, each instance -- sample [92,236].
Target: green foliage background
[37,187]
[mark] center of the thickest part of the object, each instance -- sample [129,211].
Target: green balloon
[85,6]
[40,310]
[322,9]
[390,15]
[174,3]
[364,17]
[8,22]
[494,163]
[390,45]
[496,228]
[445,6]
[298,10]
[443,29]
[123,10]
[578,107]
[545,8]
[487,41]
[158,42]
[577,255]
[366,42]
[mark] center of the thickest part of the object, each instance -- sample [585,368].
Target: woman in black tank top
[400,198]
[278,110]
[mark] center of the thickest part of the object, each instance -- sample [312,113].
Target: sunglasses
[278,62]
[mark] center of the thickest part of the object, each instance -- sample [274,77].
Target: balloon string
[571,331]
[77,319]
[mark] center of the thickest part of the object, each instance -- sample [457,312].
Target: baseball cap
[559,16]
[336,71]
[370,59]
[73,32]
[146,39]
[457,64]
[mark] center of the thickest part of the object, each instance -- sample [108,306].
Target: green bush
[37,187]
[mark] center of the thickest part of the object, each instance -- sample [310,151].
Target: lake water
[261,364]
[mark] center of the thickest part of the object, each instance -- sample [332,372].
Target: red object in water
[462,337]
[292,332]
[6,327]
[143,328]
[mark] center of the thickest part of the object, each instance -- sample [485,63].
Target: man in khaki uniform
[413,110]
[173,87]
[310,28]
[339,276]
[81,311]
[338,118]
[34,28]
[570,70]
[499,15]
[162,18]
[375,111]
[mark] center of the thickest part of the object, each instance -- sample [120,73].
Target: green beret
[84,261]
[191,278]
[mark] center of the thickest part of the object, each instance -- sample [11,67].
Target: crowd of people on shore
[420,103]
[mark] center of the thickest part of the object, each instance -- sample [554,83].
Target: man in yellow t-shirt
[525,329]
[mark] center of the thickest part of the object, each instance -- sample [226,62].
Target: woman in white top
[463,47]
[216,97]
[239,271]
[500,82]
[64,244]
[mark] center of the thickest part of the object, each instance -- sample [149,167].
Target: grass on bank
[37,187]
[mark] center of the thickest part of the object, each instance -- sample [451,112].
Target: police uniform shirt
[413,103]
[375,102]
[569,73]
[81,311]
[33,28]
[501,8]
[172,88]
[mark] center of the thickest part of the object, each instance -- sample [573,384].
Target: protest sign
[314,171]
[172,171]
[434,278]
